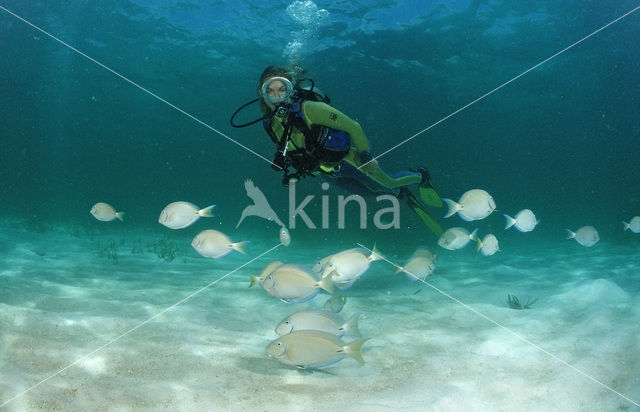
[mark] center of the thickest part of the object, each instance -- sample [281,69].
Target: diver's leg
[349,171]
[428,194]
[391,182]
[395,180]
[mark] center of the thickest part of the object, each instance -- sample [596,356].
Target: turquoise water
[562,140]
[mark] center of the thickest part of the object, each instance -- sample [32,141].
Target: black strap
[305,160]
[239,110]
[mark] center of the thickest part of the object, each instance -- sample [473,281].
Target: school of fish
[312,339]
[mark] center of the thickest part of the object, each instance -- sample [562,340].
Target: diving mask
[277,90]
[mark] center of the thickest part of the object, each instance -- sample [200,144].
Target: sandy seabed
[64,296]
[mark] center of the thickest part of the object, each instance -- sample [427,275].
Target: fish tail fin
[625,225]
[326,283]
[474,235]
[254,280]
[353,349]
[375,254]
[240,246]
[398,270]
[570,234]
[479,244]
[352,325]
[453,207]
[120,216]
[510,221]
[207,211]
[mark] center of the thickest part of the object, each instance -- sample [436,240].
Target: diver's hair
[293,74]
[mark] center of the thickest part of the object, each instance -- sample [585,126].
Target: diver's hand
[367,163]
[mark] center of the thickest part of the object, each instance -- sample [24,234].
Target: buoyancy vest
[323,146]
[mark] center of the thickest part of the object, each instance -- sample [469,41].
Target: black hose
[238,111]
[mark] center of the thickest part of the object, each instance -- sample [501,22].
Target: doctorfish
[295,283]
[335,303]
[474,204]
[489,245]
[456,238]
[586,236]
[313,349]
[105,212]
[348,265]
[285,237]
[633,225]
[321,320]
[266,271]
[213,244]
[420,265]
[178,215]
[524,221]
[319,266]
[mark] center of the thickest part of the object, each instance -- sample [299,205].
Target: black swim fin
[428,194]
[421,211]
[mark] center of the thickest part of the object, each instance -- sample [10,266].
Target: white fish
[586,235]
[633,225]
[456,238]
[213,244]
[285,237]
[347,266]
[295,283]
[420,265]
[319,266]
[525,221]
[321,320]
[178,215]
[425,252]
[313,349]
[105,212]
[418,268]
[266,271]
[488,246]
[475,204]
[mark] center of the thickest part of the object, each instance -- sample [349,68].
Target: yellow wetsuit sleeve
[324,115]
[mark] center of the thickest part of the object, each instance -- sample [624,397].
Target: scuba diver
[313,138]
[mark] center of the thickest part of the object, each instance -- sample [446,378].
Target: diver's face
[275,91]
